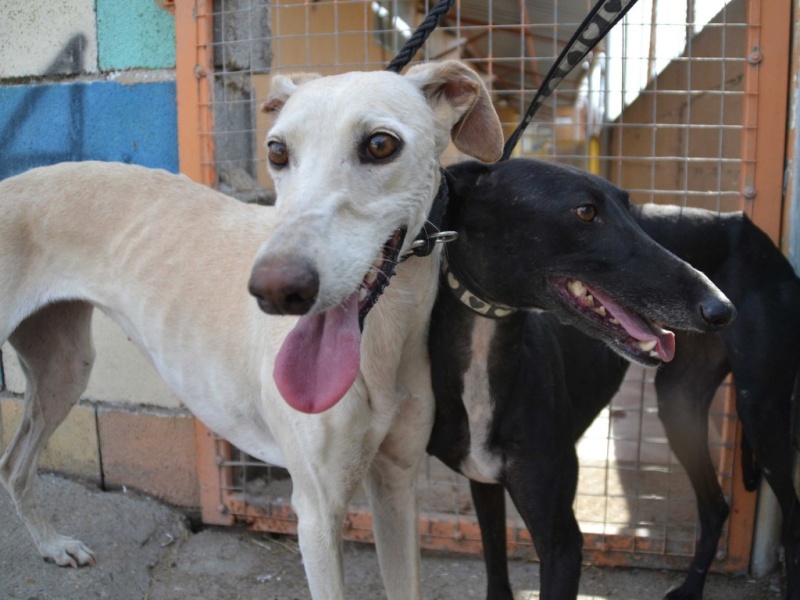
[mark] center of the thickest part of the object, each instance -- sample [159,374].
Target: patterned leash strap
[415,42]
[599,21]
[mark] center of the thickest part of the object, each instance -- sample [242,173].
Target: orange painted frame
[194,62]
[765,113]
[763,155]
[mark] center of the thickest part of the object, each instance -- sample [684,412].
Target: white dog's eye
[380,147]
[278,154]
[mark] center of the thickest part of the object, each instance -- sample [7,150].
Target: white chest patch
[480,464]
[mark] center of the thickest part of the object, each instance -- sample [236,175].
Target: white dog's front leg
[319,530]
[391,489]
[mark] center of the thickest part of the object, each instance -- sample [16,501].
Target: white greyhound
[355,162]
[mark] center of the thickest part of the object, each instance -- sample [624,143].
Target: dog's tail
[751,470]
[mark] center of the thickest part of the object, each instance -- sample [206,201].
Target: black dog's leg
[685,389]
[543,492]
[490,505]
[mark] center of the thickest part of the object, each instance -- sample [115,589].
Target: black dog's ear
[624,197]
[466,175]
[462,179]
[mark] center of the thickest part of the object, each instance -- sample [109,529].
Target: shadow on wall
[44,124]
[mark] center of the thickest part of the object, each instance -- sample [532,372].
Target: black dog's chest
[481,462]
[461,347]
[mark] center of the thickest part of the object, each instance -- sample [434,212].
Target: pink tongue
[638,329]
[320,358]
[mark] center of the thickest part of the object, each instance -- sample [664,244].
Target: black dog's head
[534,234]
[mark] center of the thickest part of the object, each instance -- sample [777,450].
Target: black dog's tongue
[638,328]
[320,358]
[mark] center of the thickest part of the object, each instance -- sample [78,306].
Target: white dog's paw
[66,552]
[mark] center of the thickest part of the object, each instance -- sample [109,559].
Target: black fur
[548,380]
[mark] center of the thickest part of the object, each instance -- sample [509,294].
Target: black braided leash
[426,240]
[599,21]
[420,35]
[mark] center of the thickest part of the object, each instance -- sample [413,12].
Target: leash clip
[437,237]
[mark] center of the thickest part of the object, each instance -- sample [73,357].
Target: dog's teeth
[378,264]
[576,288]
[362,294]
[600,310]
[588,300]
[372,275]
[647,346]
[614,321]
[654,354]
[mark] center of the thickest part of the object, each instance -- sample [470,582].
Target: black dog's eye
[278,154]
[381,146]
[586,212]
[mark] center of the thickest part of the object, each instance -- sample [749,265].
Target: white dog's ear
[460,100]
[282,87]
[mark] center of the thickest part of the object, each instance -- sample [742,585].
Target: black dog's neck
[469,299]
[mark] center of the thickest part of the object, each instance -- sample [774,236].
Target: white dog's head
[355,158]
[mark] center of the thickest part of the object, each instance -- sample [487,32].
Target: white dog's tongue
[320,358]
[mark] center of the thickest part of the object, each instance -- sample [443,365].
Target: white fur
[169,261]
[480,464]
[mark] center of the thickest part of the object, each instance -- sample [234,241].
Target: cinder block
[150,450]
[135,34]
[72,449]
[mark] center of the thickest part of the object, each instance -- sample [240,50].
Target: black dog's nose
[284,285]
[717,313]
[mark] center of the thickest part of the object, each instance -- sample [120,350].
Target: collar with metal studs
[470,300]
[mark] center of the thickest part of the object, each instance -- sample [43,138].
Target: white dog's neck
[401,314]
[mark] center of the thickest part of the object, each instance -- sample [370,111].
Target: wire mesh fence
[658,109]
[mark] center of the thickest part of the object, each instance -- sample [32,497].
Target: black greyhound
[536,235]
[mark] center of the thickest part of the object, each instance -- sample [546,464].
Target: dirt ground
[147,551]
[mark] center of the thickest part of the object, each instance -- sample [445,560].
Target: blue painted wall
[46,124]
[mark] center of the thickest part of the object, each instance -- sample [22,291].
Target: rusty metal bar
[211,478]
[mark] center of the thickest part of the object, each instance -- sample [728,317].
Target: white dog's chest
[213,385]
[480,464]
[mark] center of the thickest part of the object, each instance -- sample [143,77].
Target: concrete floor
[146,550]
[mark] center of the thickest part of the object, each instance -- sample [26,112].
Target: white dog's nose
[284,285]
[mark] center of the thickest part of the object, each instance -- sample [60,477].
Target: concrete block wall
[95,80]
